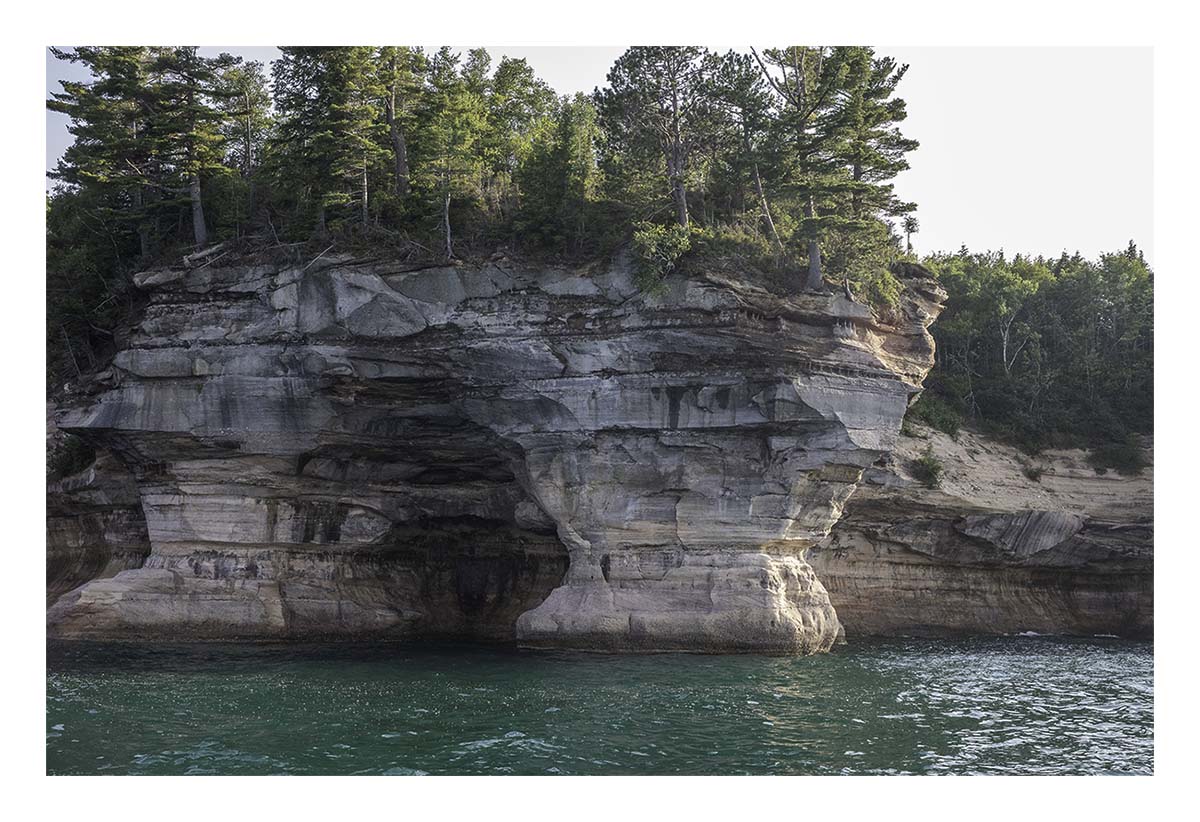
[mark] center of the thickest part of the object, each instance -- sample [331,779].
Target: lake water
[1019,705]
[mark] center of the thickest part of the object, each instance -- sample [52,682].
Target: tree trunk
[762,198]
[446,224]
[71,351]
[198,226]
[681,211]
[366,213]
[143,230]
[678,190]
[675,163]
[399,148]
[1003,327]
[856,200]
[322,232]
[247,154]
[815,281]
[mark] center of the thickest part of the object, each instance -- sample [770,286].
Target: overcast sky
[1027,149]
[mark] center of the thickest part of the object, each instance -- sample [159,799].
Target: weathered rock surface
[94,523]
[351,449]
[992,551]
[94,527]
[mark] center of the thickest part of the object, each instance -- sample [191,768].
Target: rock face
[94,523]
[94,527]
[993,550]
[350,449]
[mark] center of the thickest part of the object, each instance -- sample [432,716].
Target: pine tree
[559,178]
[737,91]
[111,149]
[246,106]
[808,81]
[911,226]
[517,101]
[453,124]
[186,123]
[654,100]
[874,149]
[400,75]
[329,136]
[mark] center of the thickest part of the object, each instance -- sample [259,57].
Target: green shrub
[937,413]
[877,287]
[732,247]
[1033,472]
[865,258]
[928,468]
[1125,457]
[657,249]
[70,456]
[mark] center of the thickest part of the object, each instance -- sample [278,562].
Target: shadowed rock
[502,452]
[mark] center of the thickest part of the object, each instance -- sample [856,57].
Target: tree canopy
[1044,352]
[792,147]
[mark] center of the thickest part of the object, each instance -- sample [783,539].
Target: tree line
[1046,352]
[793,147]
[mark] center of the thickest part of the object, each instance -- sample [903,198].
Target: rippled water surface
[1017,705]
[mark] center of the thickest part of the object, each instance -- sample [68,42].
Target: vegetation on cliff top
[778,162]
[781,159]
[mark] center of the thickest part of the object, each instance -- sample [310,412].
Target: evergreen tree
[401,72]
[246,108]
[186,124]
[560,177]
[911,226]
[654,101]
[809,81]
[517,102]
[111,149]
[329,134]
[453,124]
[874,150]
[738,92]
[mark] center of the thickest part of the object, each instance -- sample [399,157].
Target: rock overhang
[713,431]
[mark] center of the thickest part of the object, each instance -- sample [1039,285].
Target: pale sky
[1037,150]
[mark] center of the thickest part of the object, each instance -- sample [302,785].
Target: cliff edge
[350,449]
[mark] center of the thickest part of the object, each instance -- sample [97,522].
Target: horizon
[1031,125]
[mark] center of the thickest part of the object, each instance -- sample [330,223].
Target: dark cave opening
[470,579]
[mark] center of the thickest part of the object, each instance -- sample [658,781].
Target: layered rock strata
[1008,544]
[347,448]
[94,527]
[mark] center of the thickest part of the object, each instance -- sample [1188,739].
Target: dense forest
[778,162]
[1046,353]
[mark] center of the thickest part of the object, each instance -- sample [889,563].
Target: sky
[1032,149]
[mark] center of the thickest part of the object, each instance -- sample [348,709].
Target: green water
[1020,705]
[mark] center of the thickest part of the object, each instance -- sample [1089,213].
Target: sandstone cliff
[346,448]
[1007,544]
[94,522]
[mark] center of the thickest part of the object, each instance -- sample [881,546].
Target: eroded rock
[352,450]
[993,550]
